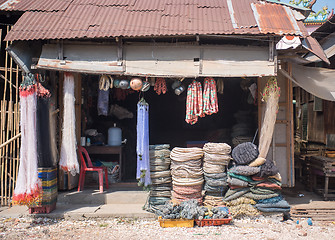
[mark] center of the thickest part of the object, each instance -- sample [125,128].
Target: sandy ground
[260,228]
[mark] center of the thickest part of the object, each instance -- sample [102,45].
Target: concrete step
[120,195]
[83,211]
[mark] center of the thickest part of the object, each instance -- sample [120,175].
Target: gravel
[116,228]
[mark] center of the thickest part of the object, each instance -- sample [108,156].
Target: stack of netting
[160,174]
[216,160]
[253,188]
[187,175]
[243,130]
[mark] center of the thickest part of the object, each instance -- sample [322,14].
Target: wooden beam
[10,140]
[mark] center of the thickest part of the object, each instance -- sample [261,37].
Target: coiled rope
[184,154]
[216,159]
[217,148]
[187,175]
[105,82]
[213,201]
[160,190]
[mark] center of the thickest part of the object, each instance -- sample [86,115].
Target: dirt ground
[259,228]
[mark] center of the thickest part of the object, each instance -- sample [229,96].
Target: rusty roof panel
[145,22]
[276,19]
[33,5]
[106,3]
[148,5]
[212,4]
[183,2]
[196,21]
[138,18]
[314,46]
[242,10]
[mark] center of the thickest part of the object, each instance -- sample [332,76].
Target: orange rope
[160,86]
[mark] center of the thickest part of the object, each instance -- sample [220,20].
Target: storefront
[239,78]
[238,55]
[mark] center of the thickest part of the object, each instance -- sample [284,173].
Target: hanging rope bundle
[28,187]
[41,91]
[160,86]
[194,103]
[142,147]
[105,82]
[187,175]
[68,157]
[210,99]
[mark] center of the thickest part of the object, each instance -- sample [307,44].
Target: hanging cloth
[194,103]
[210,97]
[142,147]
[28,189]
[68,158]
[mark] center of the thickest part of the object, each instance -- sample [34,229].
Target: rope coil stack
[216,160]
[253,188]
[160,174]
[243,130]
[187,175]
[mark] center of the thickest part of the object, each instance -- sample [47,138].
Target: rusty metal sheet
[312,45]
[148,5]
[105,3]
[242,10]
[275,18]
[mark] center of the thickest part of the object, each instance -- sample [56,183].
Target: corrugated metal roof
[106,3]
[138,18]
[242,13]
[33,5]
[148,5]
[280,20]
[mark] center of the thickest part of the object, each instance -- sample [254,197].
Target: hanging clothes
[28,189]
[68,159]
[210,97]
[194,103]
[142,147]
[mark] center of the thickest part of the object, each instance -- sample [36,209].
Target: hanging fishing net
[68,159]
[28,190]
[271,96]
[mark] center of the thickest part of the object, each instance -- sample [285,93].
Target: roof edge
[306,11]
